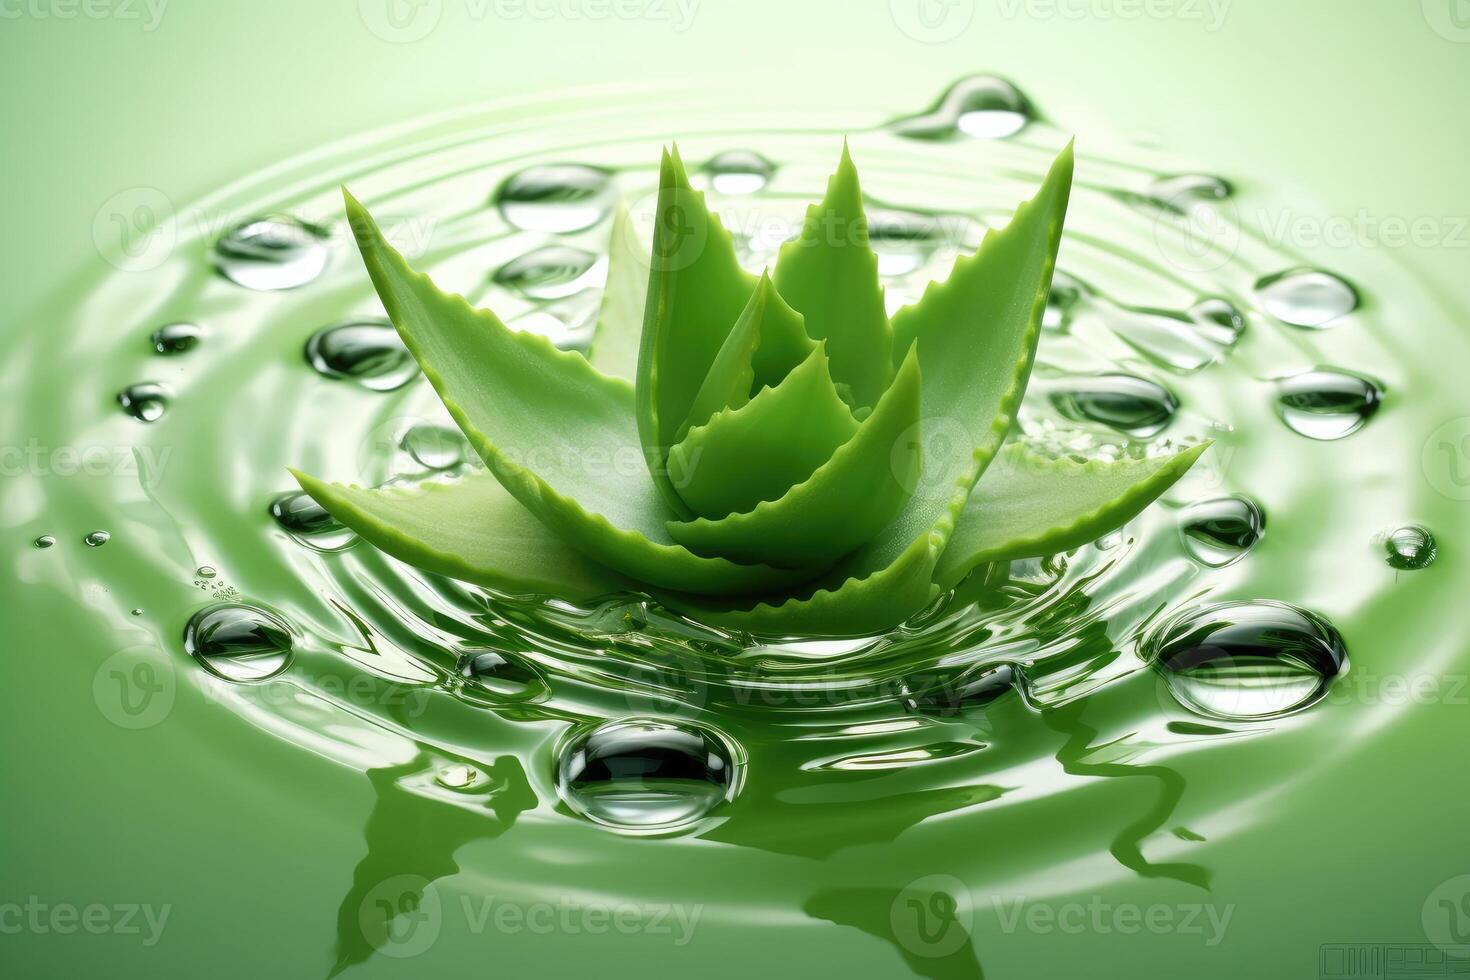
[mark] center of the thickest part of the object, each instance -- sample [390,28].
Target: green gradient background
[1341,105]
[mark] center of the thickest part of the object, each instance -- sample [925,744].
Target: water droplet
[1326,405]
[238,642]
[1218,532]
[974,688]
[980,106]
[647,775]
[310,523]
[903,240]
[206,571]
[1178,192]
[435,446]
[175,338]
[96,539]
[1247,660]
[549,272]
[273,252]
[45,541]
[369,352]
[1124,402]
[461,778]
[739,172]
[146,401]
[1184,341]
[137,612]
[1410,548]
[1066,293]
[497,677]
[558,197]
[1306,298]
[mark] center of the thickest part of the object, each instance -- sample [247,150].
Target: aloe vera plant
[770,453]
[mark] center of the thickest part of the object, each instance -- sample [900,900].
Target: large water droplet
[239,642]
[1247,660]
[1306,297]
[556,197]
[1184,341]
[497,677]
[273,252]
[647,775]
[980,106]
[1178,192]
[461,778]
[96,539]
[146,401]
[549,272]
[369,352]
[1326,404]
[1124,402]
[175,338]
[739,172]
[45,541]
[1218,532]
[437,447]
[1410,548]
[310,523]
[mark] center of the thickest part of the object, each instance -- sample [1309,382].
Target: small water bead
[903,240]
[739,172]
[1185,341]
[309,522]
[239,642]
[496,677]
[549,272]
[45,541]
[1410,548]
[461,778]
[979,106]
[96,539]
[146,401]
[435,446]
[1125,402]
[1246,661]
[368,352]
[557,198]
[646,775]
[1220,531]
[206,571]
[1180,191]
[273,252]
[175,338]
[137,612]
[1306,298]
[1326,405]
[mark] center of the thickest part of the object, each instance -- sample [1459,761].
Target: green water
[366,806]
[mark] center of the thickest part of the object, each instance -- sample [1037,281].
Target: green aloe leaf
[976,336]
[846,501]
[829,274]
[696,292]
[1028,505]
[470,529]
[559,436]
[758,451]
[614,349]
[766,344]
